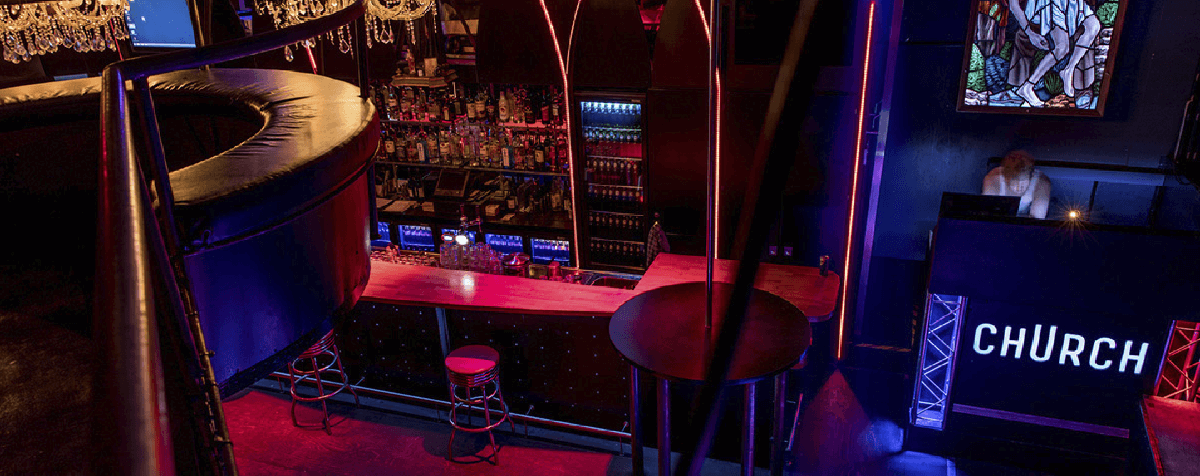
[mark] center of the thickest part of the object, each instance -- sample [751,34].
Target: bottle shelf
[602,264]
[633,214]
[536,126]
[631,242]
[606,157]
[467,167]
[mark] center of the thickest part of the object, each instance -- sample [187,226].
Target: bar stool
[323,348]
[473,367]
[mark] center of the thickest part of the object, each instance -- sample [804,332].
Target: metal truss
[939,347]
[1179,377]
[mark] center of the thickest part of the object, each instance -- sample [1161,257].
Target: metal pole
[710,217]
[664,426]
[748,431]
[635,424]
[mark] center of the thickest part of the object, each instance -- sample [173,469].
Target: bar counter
[804,287]
[556,358]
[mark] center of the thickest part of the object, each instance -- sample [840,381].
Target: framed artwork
[1040,56]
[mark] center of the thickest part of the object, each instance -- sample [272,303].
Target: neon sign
[1102,354]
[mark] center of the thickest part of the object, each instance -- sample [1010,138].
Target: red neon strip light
[717,143]
[562,67]
[311,60]
[858,140]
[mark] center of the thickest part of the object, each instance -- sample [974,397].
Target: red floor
[368,442]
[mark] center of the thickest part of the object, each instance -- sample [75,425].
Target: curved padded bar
[318,132]
[276,227]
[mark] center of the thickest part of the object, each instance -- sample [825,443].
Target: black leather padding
[318,134]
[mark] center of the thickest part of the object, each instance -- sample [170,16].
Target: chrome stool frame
[324,347]
[470,382]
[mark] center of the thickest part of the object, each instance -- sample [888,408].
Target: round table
[662,332]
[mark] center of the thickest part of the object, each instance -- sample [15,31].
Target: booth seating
[1170,438]
[472,368]
[298,371]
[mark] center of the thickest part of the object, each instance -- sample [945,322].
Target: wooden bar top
[401,284]
[435,287]
[803,286]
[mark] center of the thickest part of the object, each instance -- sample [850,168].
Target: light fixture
[82,25]
[1073,214]
[380,14]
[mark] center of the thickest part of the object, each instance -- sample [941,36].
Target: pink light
[311,60]
[858,139]
[562,67]
[717,144]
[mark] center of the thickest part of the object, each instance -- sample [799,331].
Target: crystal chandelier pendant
[287,53]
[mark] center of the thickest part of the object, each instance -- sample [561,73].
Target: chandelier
[83,25]
[379,17]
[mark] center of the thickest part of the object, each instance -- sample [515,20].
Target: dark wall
[933,148]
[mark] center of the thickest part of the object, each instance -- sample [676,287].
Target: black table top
[662,331]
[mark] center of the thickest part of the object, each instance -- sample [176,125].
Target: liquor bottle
[490,104]
[544,99]
[506,152]
[555,99]
[539,154]
[389,144]
[411,142]
[398,136]
[472,106]
[393,106]
[481,105]
[406,104]
[503,107]
[444,148]
[432,151]
[528,108]
[419,105]
[460,109]
[563,160]
[516,99]
[556,195]
[435,106]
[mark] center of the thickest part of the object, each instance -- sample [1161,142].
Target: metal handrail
[126,266]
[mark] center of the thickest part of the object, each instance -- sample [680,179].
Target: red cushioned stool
[296,374]
[472,368]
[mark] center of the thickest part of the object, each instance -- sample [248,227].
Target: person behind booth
[1016,177]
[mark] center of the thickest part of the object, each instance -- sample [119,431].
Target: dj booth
[1044,335]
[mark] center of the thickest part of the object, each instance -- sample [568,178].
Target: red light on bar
[858,140]
[717,145]
[562,67]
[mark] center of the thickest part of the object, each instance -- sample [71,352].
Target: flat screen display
[454,231]
[545,251]
[160,24]
[385,235]
[416,238]
[505,244]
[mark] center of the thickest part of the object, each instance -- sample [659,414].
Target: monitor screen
[454,231]
[966,205]
[160,24]
[505,244]
[416,238]
[385,235]
[545,251]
